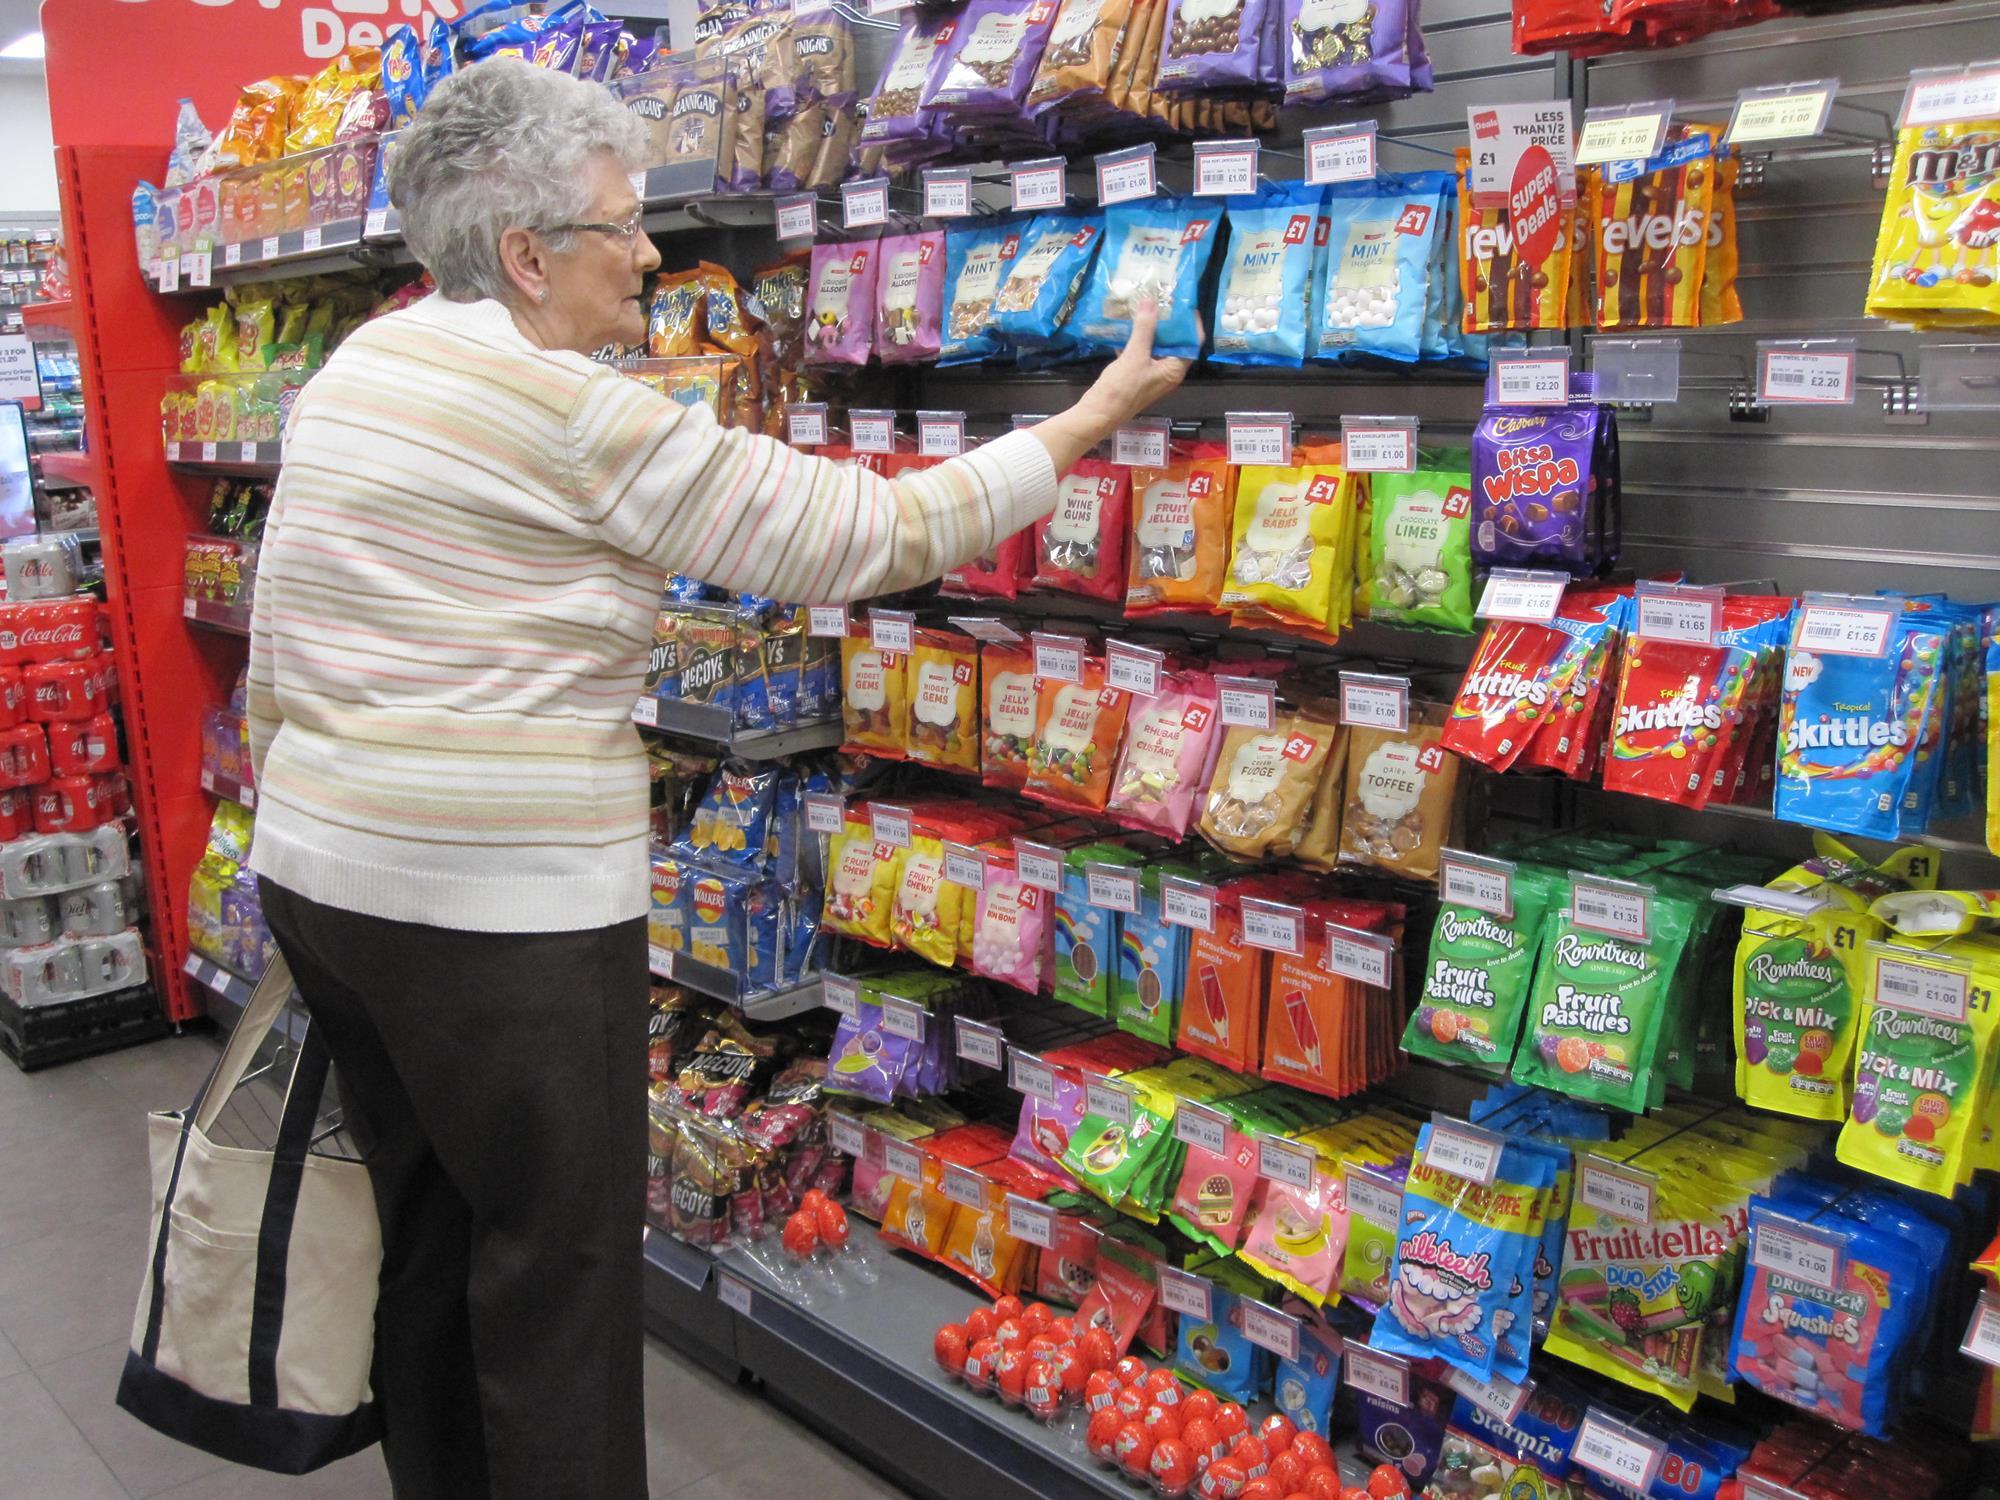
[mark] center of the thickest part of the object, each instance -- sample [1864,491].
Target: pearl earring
[542,295]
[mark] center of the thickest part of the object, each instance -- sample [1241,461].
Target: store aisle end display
[1426,933]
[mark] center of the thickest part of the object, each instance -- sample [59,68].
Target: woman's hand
[1132,382]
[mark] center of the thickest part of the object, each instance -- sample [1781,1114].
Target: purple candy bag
[1533,482]
[990,61]
[1337,48]
[1211,43]
[1044,1130]
[840,309]
[600,50]
[909,304]
[898,111]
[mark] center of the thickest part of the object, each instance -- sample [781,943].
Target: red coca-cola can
[71,804]
[17,813]
[60,690]
[24,755]
[83,747]
[49,630]
[114,794]
[13,698]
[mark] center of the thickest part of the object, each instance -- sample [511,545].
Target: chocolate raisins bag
[898,111]
[1211,44]
[1342,48]
[992,58]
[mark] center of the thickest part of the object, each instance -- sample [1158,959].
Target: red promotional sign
[1534,207]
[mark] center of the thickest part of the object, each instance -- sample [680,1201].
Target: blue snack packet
[973,266]
[402,74]
[1378,262]
[731,825]
[1265,274]
[437,56]
[1215,1354]
[1153,247]
[1531,1454]
[1042,278]
[1304,1388]
[717,904]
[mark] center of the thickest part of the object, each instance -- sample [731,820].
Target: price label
[1376,1198]
[848,1135]
[827,620]
[1922,988]
[1268,1328]
[1038,184]
[1789,1248]
[1136,669]
[1484,885]
[1340,153]
[825,813]
[1502,132]
[901,1159]
[1038,865]
[246,453]
[805,424]
[1185,1294]
[1801,377]
[733,1293]
[1497,1397]
[1058,657]
[1513,595]
[1626,132]
[887,7]
[1982,1334]
[311,239]
[892,630]
[1248,701]
[840,994]
[1789,112]
[1281,1161]
[963,1187]
[1610,1187]
[188,610]
[1184,903]
[1197,1125]
[983,628]
[864,203]
[1613,907]
[1365,957]
[900,1018]
[1374,702]
[170,274]
[940,434]
[1111,888]
[1945,96]
[1535,380]
[208,453]
[1273,926]
[647,711]
[376,221]
[232,255]
[1259,438]
[947,192]
[797,217]
[1028,1074]
[173,453]
[1463,1150]
[1678,615]
[1375,447]
[1378,1373]
[1102,1097]
[1031,1223]
[977,1042]
[890,825]
[1141,447]
[1841,630]
[871,431]
[1222,168]
[1613,1450]
[269,249]
[200,271]
[964,867]
[1641,370]
[1125,175]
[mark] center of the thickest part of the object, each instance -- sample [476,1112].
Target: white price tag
[1340,153]
[1789,112]
[1038,865]
[947,193]
[825,813]
[1140,447]
[1197,1125]
[1273,926]
[1110,888]
[1982,1334]
[889,825]
[901,1159]
[1365,957]
[840,994]
[232,255]
[1615,908]
[173,453]
[1625,132]
[1028,1074]
[1613,1188]
[977,1042]
[1031,1223]
[1612,1450]
[1497,1397]
[1268,1328]
[940,434]
[827,620]
[1125,175]
[1801,377]
[170,274]
[1185,1294]
[1522,596]
[1370,449]
[1946,96]
[1374,702]
[805,425]
[248,797]
[208,785]
[312,239]
[638,182]
[1248,701]
[1922,988]
[1102,1097]
[1377,1373]
[864,203]
[985,628]
[1185,903]
[1501,132]
[963,1187]
[848,1135]
[1259,438]
[1038,184]
[1058,657]
[201,269]
[1793,1249]
[871,431]
[1836,630]
[893,631]
[1483,885]
[647,711]
[269,249]
[1464,1151]
[246,453]
[964,867]
[1223,168]
[1281,1161]
[733,1293]
[376,221]
[1377,1199]
[208,453]
[796,217]
[1136,669]
[1678,615]
[188,609]
[900,1018]
[1538,380]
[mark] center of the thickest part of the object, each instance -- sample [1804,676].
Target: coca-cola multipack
[58,741]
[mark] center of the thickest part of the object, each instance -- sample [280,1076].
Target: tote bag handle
[267,1004]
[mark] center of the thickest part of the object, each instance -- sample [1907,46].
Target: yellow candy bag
[1293,541]
[874,698]
[1937,254]
[861,882]
[943,691]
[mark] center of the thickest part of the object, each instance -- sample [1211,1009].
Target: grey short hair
[501,145]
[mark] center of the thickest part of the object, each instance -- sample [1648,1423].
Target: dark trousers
[496,1085]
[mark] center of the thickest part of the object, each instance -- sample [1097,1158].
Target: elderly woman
[454,608]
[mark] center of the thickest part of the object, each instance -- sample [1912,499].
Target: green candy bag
[1420,552]
[1480,973]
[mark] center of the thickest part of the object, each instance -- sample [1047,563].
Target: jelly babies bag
[1010,714]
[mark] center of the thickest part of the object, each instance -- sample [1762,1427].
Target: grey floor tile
[10,1362]
[796,1463]
[160,1075]
[82,1173]
[85,1386]
[69,1097]
[698,1424]
[361,1477]
[42,1455]
[73,1289]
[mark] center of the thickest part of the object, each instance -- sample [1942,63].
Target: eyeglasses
[625,229]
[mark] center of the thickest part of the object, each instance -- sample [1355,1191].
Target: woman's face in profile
[597,286]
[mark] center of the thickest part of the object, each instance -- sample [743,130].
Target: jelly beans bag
[1010,716]
[1081,724]
[1080,545]
[1169,751]
[1481,969]
[1180,537]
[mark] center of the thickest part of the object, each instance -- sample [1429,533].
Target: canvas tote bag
[256,1322]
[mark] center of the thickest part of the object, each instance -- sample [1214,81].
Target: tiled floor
[73,1196]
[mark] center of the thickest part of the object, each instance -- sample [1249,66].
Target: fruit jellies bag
[1169,754]
[874,698]
[944,700]
[1080,546]
[1010,714]
[1180,537]
[1481,968]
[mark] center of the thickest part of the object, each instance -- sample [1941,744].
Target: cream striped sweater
[456,595]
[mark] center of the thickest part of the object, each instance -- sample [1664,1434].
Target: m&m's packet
[1937,253]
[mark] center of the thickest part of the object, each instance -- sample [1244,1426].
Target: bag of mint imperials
[1595,1024]
[1480,972]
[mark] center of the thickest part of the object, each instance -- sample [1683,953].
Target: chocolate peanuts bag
[1211,44]
[1081,51]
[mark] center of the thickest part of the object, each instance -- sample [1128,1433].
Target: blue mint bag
[1042,279]
[1378,268]
[973,266]
[1157,247]
[1265,272]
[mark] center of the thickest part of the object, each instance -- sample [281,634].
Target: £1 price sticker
[1377,1373]
[1793,1249]
[871,431]
[1372,702]
[975,1041]
[1789,112]
[1368,449]
[1134,669]
[1622,133]
[964,867]
[1614,1451]
[1140,446]
[1464,1151]
[1123,176]
[940,434]
[892,631]
[1224,168]
[796,217]
[1038,185]
[825,812]
[1058,657]
[1246,701]
[889,825]
[1340,153]
[1613,1188]
[827,620]
[864,203]
[1925,989]
[1259,438]
[805,425]
[947,192]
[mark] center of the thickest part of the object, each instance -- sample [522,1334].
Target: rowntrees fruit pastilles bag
[1482,966]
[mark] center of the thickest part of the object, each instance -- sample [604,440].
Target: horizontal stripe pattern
[455,601]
